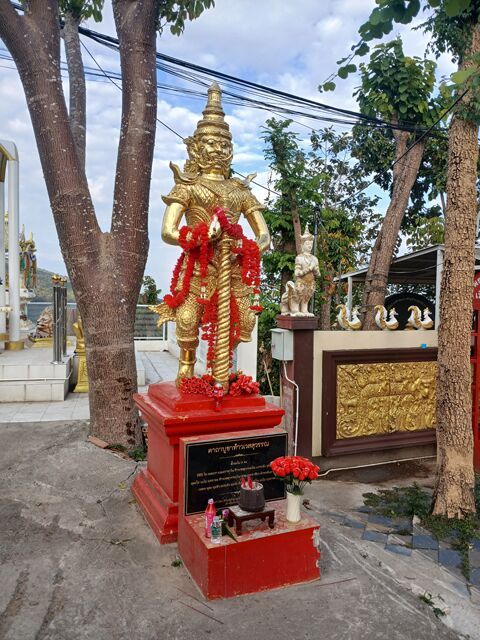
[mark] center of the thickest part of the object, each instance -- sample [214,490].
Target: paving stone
[432,554]
[450,558]
[402,524]
[475,577]
[383,520]
[405,541]
[355,524]
[476,543]
[365,509]
[424,542]
[460,587]
[474,558]
[399,549]
[374,536]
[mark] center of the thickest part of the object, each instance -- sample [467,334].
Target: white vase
[293,507]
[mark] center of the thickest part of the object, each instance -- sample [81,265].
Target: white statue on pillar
[299,292]
[28,277]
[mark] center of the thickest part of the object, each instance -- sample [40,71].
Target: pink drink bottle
[210,513]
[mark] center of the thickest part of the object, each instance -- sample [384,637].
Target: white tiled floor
[159,365]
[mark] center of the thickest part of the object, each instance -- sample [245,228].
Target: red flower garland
[205,385]
[197,249]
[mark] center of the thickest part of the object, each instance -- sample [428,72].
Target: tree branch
[76,75]
[34,42]
[11,28]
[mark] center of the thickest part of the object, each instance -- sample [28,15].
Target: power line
[197,74]
[119,87]
[441,117]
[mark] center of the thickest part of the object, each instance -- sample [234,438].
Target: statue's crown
[213,121]
[306,234]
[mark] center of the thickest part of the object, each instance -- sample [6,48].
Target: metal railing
[59,321]
[145,320]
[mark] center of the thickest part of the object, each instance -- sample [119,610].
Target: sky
[292,46]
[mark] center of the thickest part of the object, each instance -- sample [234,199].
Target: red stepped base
[171,415]
[262,559]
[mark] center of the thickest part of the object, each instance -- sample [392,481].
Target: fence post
[57,320]
[64,315]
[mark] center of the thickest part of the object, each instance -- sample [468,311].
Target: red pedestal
[260,559]
[170,416]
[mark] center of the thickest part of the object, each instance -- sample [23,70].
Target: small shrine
[213,438]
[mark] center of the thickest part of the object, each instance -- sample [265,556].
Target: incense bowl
[252,499]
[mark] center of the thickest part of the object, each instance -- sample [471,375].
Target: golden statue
[80,352]
[216,276]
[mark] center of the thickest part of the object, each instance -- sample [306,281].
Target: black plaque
[213,469]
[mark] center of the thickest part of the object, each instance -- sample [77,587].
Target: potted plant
[295,472]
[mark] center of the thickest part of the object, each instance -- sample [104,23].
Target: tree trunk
[325,323]
[77,87]
[297,227]
[286,246]
[454,489]
[405,173]
[105,268]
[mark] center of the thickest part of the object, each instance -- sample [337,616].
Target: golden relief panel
[386,397]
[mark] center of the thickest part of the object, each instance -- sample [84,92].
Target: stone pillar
[300,371]
[14,342]
[3,298]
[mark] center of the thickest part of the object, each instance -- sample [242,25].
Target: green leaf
[363,49]
[455,7]
[375,17]
[351,68]
[343,72]
[459,77]
[329,86]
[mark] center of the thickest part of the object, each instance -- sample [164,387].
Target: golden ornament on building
[386,397]
[212,285]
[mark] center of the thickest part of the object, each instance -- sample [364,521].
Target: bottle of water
[216,531]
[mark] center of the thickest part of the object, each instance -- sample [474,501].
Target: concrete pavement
[78,561]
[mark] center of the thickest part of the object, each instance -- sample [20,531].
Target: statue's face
[308,246]
[214,154]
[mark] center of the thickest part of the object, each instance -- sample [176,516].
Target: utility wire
[119,87]
[259,88]
[194,72]
[269,189]
[419,139]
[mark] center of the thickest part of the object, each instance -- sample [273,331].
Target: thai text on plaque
[214,469]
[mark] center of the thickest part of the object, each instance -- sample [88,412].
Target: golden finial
[213,121]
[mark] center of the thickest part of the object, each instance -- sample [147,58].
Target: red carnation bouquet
[295,472]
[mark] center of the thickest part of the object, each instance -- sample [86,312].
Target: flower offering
[295,472]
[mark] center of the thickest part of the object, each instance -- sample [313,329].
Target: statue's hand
[215,229]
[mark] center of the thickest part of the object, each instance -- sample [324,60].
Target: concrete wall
[352,340]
